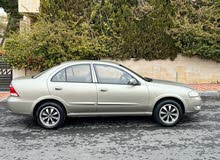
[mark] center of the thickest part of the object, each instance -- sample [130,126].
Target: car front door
[74,85]
[115,94]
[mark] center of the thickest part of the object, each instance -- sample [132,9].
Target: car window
[41,73]
[79,73]
[111,75]
[60,76]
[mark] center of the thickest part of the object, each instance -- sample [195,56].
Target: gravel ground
[195,137]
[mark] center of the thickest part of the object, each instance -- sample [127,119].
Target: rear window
[41,73]
[77,73]
[60,76]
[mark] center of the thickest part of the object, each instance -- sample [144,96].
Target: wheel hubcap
[169,113]
[49,116]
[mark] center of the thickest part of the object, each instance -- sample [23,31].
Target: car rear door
[114,92]
[74,85]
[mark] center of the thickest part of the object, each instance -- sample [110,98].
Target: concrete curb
[3,100]
[207,94]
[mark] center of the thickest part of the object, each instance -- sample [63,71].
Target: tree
[56,43]
[117,29]
[138,29]
[2,28]
[131,28]
[11,8]
[197,28]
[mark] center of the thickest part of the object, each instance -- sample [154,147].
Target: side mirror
[133,82]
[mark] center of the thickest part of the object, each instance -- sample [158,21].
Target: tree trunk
[6,30]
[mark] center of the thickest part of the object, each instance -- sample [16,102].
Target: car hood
[165,82]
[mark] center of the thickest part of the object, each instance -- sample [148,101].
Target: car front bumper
[193,105]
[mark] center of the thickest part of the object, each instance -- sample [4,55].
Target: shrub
[49,44]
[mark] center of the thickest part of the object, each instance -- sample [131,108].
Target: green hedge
[118,29]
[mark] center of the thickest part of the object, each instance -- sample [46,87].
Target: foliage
[197,28]
[138,29]
[11,8]
[56,43]
[1,51]
[117,29]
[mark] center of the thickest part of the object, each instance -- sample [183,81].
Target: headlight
[193,94]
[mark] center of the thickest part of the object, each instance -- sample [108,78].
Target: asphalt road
[196,137]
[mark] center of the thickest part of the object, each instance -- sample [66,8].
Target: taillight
[13,92]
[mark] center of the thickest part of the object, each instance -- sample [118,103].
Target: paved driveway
[196,137]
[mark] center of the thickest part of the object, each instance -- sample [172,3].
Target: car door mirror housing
[133,82]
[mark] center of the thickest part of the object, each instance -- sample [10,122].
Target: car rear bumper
[19,106]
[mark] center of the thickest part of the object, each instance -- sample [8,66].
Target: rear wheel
[50,115]
[168,113]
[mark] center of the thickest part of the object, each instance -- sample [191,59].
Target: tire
[50,115]
[168,113]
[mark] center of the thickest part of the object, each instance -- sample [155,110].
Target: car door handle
[103,89]
[58,88]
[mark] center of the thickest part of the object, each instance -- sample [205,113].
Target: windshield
[144,78]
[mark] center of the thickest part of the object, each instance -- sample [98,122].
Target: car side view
[96,88]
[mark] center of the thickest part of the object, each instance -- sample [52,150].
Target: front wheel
[168,113]
[50,115]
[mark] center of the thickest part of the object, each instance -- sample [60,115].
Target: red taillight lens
[13,92]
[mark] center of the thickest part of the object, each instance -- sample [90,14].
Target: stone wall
[23,72]
[182,69]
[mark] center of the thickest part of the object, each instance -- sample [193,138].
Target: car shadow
[117,122]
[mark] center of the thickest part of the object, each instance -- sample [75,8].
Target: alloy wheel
[49,116]
[169,113]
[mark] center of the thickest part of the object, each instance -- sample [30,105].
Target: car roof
[91,61]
